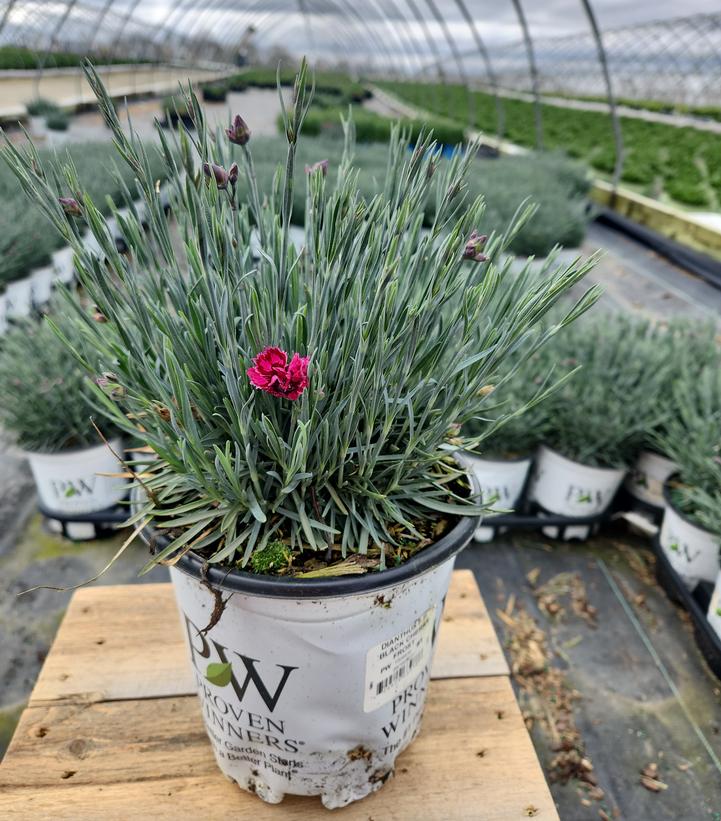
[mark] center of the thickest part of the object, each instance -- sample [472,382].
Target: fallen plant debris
[650,780]
[548,596]
[547,701]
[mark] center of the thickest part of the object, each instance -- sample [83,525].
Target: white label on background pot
[692,551]
[393,664]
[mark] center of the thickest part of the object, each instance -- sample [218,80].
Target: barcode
[399,672]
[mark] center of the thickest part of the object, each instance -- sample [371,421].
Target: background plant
[602,414]
[26,239]
[690,437]
[402,333]
[46,396]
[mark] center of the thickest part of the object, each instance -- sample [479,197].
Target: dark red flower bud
[233,173]
[238,133]
[474,247]
[216,172]
[71,206]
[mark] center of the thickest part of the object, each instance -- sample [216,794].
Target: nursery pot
[714,607]
[692,551]
[68,482]
[647,477]
[503,479]
[314,686]
[567,488]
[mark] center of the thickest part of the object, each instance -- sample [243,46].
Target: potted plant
[175,110]
[691,527]
[502,459]
[303,488]
[215,92]
[689,347]
[598,418]
[46,405]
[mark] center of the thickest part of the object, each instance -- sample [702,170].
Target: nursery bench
[113,728]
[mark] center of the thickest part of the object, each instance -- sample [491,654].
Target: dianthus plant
[297,390]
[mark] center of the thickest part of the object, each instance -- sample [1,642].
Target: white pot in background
[647,477]
[42,285]
[560,485]
[63,265]
[38,126]
[68,482]
[692,551]
[19,298]
[314,687]
[3,312]
[500,478]
[714,607]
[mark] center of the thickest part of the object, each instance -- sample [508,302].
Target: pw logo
[221,672]
[67,488]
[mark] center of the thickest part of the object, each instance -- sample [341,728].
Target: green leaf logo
[219,674]
[70,492]
[674,546]
[718,611]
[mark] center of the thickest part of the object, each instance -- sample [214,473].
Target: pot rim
[681,515]
[114,440]
[499,460]
[622,469]
[281,587]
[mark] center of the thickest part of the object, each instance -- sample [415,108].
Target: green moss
[39,545]
[275,556]
[9,717]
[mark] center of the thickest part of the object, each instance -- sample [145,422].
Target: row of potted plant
[46,406]
[299,406]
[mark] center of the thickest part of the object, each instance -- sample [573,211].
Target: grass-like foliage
[400,328]
[691,438]
[602,414]
[46,396]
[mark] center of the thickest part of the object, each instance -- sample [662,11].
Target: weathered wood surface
[105,737]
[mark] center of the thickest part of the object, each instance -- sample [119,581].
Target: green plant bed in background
[18,57]
[40,107]
[325,81]
[375,128]
[26,239]
[684,164]
[215,92]
[557,185]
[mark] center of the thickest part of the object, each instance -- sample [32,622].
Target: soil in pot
[692,551]
[562,486]
[314,686]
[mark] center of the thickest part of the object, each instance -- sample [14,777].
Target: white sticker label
[394,663]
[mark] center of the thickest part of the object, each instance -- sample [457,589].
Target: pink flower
[272,373]
[321,165]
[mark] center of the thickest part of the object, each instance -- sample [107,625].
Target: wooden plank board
[472,761]
[95,656]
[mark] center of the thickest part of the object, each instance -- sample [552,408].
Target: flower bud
[233,173]
[238,133]
[99,316]
[71,206]
[216,172]
[321,165]
[474,247]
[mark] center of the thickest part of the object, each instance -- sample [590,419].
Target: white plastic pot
[63,265]
[314,687]
[19,298]
[68,482]
[562,486]
[3,312]
[647,477]
[692,551]
[714,607]
[42,285]
[500,479]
